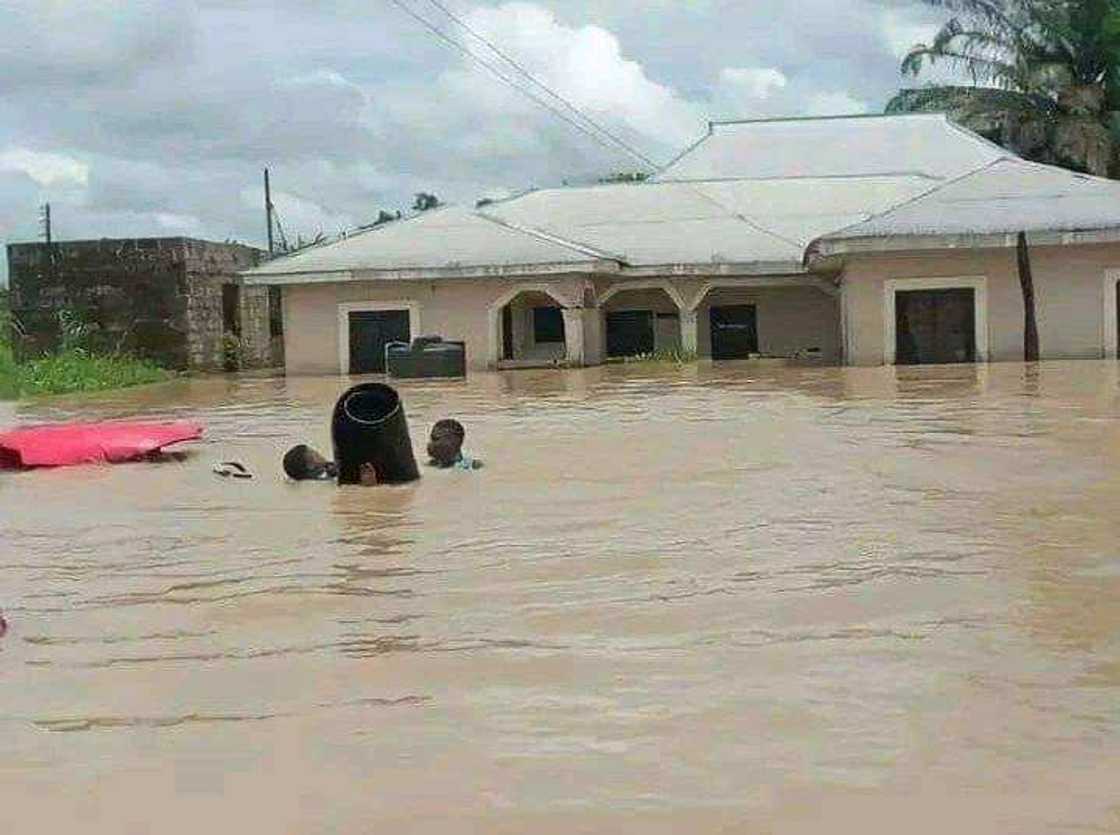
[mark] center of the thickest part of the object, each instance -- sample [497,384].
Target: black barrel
[427,357]
[369,426]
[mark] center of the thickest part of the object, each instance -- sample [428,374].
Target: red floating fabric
[63,445]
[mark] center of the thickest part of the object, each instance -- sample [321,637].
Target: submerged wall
[790,319]
[456,309]
[1069,289]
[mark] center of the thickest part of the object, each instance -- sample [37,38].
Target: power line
[540,84]
[435,30]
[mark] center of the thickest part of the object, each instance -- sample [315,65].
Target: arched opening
[640,320]
[531,330]
[791,321]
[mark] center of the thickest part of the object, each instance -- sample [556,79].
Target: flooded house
[178,301]
[849,240]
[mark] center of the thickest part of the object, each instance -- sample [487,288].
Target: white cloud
[756,82]
[834,104]
[586,65]
[903,34]
[177,223]
[44,168]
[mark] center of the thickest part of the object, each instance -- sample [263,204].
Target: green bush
[76,370]
[73,368]
[679,356]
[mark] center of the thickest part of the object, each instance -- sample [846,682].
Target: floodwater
[735,598]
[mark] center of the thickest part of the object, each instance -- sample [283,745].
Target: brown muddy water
[718,599]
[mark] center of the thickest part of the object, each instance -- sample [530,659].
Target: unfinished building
[177,301]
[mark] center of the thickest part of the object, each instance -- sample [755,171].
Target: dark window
[507,332]
[935,326]
[548,324]
[370,332]
[275,312]
[629,333]
[734,331]
[231,309]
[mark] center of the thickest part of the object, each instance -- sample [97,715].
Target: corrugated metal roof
[1005,197]
[734,221]
[926,144]
[447,238]
[870,177]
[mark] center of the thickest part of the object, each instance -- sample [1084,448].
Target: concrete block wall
[159,298]
[130,291]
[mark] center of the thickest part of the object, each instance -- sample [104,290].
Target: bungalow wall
[457,309]
[790,319]
[1069,291]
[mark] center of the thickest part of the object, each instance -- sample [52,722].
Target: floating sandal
[232,469]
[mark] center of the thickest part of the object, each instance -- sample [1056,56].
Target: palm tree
[1045,77]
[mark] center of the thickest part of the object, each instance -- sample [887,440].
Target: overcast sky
[155,117]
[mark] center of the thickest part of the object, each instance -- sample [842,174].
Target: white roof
[1003,198]
[451,238]
[752,197]
[766,223]
[855,146]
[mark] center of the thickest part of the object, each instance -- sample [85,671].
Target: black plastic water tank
[369,426]
[426,357]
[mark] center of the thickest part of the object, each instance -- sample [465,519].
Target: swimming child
[445,447]
[302,463]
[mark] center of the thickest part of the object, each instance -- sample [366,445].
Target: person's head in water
[302,463]
[445,447]
[367,475]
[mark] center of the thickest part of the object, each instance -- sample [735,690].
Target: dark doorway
[629,333]
[370,332]
[734,331]
[548,324]
[275,312]
[935,326]
[231,309]
[507,332]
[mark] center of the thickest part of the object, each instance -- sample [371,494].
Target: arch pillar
[690,330]
[494,315]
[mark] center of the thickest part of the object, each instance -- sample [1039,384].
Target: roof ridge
[1096,178]
[747,219]
[976,138]
[357,233]
[799,177]
[552,238]
[688,150]
[837,117]
[810,249]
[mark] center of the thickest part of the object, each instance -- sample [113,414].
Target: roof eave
[430,273]
[705,269]
[824,250]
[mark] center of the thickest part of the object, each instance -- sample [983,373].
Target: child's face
[445,450]
[367,474]
[316,464]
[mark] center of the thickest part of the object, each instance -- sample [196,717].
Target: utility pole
[45,220]
[268,209]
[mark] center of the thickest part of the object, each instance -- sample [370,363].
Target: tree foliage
[425,202]
[625,177]
[1045,76]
